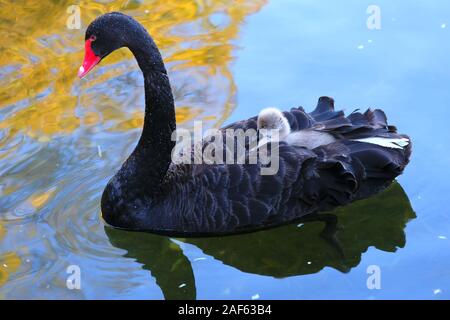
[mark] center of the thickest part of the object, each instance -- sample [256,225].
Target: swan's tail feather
[394,143]
[323,105]
[325,110]
[376,118]
[370,118]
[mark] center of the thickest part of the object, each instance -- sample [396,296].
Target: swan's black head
[112,31]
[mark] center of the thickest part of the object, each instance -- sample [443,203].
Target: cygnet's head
[272,120]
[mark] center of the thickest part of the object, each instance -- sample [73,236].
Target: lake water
[61,139]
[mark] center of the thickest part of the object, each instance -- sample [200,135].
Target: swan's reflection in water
[336,239]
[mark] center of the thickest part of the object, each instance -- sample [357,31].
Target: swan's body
[152,193]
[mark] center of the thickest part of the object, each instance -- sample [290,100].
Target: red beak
[90,59]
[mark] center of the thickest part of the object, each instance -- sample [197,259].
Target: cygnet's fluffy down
[271,120]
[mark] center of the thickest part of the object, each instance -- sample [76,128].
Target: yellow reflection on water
[38,200]
[41,99]
[39,58]
[9,261]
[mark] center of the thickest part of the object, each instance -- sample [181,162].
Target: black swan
[152,193]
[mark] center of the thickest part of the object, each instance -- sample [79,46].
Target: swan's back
[216,199]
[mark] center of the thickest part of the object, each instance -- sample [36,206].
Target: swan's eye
[92,38]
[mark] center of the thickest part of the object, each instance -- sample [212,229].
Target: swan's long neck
[152,155]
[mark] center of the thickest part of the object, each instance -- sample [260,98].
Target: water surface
[61,139]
